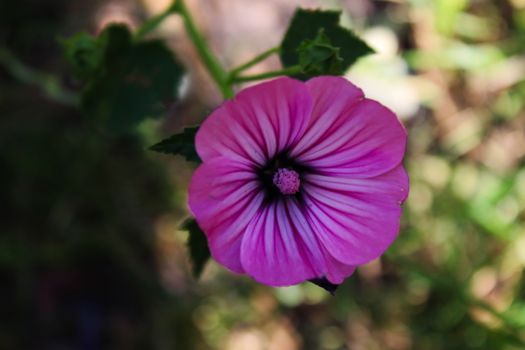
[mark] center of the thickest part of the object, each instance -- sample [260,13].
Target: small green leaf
[304,45]
[324,283]
[182,144]
[83,53]
[198,246]
[319,56]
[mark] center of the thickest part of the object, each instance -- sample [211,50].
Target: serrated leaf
[325,284]
[182,144]
[197,245]
[319,56]
[131,81]
[305,27]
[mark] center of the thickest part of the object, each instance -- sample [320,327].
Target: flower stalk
[213,66]
[261,57]
[286,71]
[223,79]
[153,22]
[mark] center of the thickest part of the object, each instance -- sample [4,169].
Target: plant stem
[154,22]
[286,71]
[48,83]
[235,72]
[210,61]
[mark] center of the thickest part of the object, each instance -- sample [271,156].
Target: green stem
[48,83]
[153,22]
[210,61]
[286,71]
[235,72]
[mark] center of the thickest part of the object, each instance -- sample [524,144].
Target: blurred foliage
[77,244]
[90,253]
[125,81]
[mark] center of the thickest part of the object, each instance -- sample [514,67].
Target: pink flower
[299,180]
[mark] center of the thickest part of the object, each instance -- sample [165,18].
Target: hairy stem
[261,57]
[154,22]
[286,71]
[210,61]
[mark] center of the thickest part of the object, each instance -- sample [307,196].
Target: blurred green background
[91,256]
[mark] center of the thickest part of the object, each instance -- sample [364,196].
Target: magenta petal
[392,186]
[365,139]
[257,123]
[333,98]
[337,272]
[224,196]
[274,252]
[357,221]
[280,248]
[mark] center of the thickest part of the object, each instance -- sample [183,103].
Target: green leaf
[324,283]
[198,246]
[314,34]
[319,56]
[182,144]
[83,53]
[125,81]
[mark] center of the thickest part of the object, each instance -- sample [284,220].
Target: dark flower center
[287,181]
[281,176]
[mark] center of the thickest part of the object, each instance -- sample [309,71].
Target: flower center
[287,181]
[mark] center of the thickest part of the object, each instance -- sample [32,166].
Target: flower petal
[281,248]
[356,220]
[361,137]
[259,122]
[392,185]
[274,252]
[320,259]
[337,272]
[332,98]
[224,196]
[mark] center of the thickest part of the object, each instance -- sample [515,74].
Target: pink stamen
[287,181]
